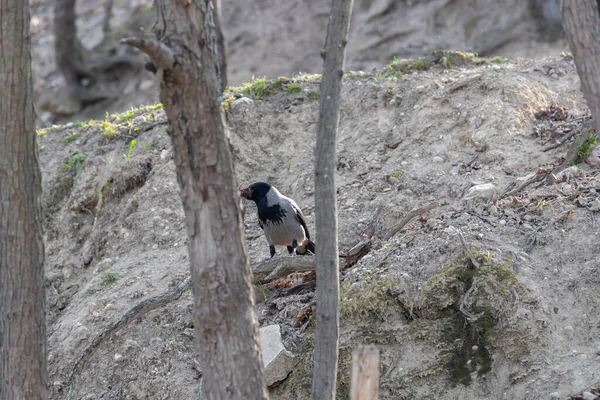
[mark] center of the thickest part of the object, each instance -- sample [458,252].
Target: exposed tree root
[170,295]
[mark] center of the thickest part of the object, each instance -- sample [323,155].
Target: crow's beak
[246,193]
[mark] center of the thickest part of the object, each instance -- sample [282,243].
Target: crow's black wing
[300,218]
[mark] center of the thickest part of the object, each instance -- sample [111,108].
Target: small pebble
[502,222]
[164,154]
[595,205]
[555,395]
[118,357]
[438,160]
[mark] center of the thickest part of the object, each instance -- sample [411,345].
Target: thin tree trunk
[22,297]
[328,321]
[581,23]
[67,48]
[225,318]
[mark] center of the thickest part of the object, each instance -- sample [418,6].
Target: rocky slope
[518,319]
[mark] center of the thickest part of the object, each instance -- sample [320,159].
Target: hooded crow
[280,218]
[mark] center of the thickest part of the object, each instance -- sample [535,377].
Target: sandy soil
[403,143]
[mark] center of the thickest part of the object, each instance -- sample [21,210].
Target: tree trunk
[22,297]
[67,48]
[581,23]
[328,321]
[191,54]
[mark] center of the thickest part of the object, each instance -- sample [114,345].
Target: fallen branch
[413,213]
[357,252]
[279,267]
[143,307]
[560,141]
[513,189]
[154,125]
[467,249]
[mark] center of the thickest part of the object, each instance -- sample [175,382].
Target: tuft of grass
[398,67]
[292,88]
[395,174]
[150,145]
[257,88]
[75,164]
[109,278]
[314,95]
[288,165]
[108,128]
[130,151]
[499,60]
[263,291]
[41,132]
[356,74]
[71,137]
[226,104]
[584,150]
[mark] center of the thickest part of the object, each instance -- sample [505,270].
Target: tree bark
[67,48]
[327,331]
[192,56]
[581,23]
[22,297]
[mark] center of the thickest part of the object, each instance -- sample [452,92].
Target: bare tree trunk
[68,50]
[581,23]
[225,318]
[328,320]
[22,297]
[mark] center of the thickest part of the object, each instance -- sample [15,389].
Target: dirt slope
[403,143]
[272,38]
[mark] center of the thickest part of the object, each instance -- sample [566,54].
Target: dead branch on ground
[413,213]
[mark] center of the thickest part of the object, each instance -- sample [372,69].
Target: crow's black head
[256,191]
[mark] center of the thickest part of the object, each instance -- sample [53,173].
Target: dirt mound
[518,318]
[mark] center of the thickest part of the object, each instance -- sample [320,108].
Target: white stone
[241,103]
[589,396]
[484,191]
[277,361]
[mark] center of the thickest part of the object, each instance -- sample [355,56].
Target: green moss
[109,278]
[395,174]
[314,95]
[292,88]
[469,342]
[41,132]
[398,67]
[357,74]
[74,164]
[499,60]
[257,88]
[71,137]
[445,59]
[372,300]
